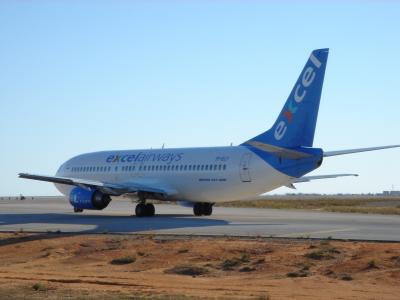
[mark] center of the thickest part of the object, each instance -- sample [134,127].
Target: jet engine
[81,198]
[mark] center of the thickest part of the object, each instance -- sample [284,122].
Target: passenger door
[244,168]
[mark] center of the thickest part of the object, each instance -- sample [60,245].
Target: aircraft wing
[107,188]
[310,178]
[342,152]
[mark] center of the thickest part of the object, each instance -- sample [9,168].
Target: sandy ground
[79,267]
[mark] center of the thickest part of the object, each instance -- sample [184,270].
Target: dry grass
[348,204]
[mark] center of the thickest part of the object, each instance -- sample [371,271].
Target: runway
[55,214]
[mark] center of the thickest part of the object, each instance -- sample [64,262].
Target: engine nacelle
[88,199]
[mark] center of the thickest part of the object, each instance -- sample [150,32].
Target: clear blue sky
[85,76]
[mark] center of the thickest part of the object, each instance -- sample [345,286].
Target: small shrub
[187,270]
[300,273]
[333,250]
[323,254]
[229,264]
[319,255]
[39,287]
[247,269]
[329,272]
[123,260]
[395,259]
[181,251]
[141,253]
[305,268]
[372,265]
[346,277]
[259,261]
[245,258]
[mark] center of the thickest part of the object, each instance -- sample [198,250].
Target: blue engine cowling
[88,199]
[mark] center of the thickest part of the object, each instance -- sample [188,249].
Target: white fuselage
[214,174]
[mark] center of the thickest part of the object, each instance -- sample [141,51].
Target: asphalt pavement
[55,214]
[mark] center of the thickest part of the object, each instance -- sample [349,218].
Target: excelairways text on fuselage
[144,157]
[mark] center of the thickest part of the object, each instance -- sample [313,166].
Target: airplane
[201,177]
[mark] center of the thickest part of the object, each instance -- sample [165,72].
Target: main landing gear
[145,210]
[203,209]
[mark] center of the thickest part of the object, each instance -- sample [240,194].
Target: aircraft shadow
[102,223]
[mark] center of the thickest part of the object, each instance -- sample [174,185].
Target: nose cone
[60,170]
[62,188]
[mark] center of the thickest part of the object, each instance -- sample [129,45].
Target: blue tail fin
[296,123]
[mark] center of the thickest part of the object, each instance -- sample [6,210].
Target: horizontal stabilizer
[279,151]
[309,178]
[350,151]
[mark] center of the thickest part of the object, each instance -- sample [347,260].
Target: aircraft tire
[78,210]
[140,210]
[207,209]
[198,209]
[150,210]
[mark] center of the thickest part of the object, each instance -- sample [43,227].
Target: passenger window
[224,167]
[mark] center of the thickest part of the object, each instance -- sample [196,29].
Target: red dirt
[261,269]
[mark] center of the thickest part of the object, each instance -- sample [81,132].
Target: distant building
[391,193]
